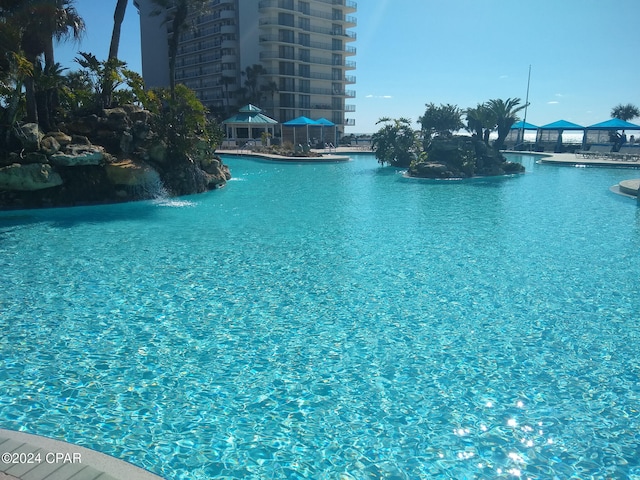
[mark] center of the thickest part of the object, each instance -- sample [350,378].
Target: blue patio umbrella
[300,122]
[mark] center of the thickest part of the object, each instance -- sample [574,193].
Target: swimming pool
[334,321]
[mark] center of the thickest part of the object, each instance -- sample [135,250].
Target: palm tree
[481,121]
[118,18]
[40,23]
[505,112]
[177,12]
[625,112]
[395,143]
[270,89]
[225,81]
[440,120]
[253,74]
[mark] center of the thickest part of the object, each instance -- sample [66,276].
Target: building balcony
[228,29]
[349,108]
[227,14]
[325,46]
[280,4]
[348,79]
[333,92]
[268,23]
[349,122]
[348,5]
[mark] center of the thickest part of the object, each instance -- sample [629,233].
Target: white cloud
[553,102]
[379,96]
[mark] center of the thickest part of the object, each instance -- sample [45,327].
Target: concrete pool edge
[19,459]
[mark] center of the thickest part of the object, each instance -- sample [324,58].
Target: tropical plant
[36,23]
[625,112]
[12,105]
[481,121]
[104,76]
[49,83]
[505,112]
[395,143]
[180,118]
[440,120]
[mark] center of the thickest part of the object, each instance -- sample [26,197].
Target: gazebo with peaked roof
[323,122]
[301,121]
[608,132]
[516,133]
[551,134]
[249,123]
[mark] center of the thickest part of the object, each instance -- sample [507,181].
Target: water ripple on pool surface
[362,327]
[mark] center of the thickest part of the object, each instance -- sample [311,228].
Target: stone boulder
[78,155]
[34,176]
[49,145]
[83,126]
[431,170]
[132,173]
[157,152]
[30,136]
[62,138]
[33,157]
[115,119]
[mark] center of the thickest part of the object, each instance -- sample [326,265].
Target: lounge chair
[628,153]
[596,151]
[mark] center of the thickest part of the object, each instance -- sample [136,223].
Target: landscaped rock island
[461,157]
[436,152]
[113,156]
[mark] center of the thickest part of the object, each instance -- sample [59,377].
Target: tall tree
[270,90]
[253,74]
[505,112]
[481,121]
[225,81]
[40,23]
[176,13]
[625,112]
[118,18]
[442,120]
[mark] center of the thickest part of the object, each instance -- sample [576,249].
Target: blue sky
[584,55]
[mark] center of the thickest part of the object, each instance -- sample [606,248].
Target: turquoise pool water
[334,321]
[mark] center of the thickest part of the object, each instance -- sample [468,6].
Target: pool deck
[573,159]
[31,457]
[335,155]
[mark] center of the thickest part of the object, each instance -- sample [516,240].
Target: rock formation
[111,157]
[461,157]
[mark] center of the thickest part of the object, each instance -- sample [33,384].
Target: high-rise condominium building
[303,46]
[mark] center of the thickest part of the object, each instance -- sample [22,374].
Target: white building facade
[303,46]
